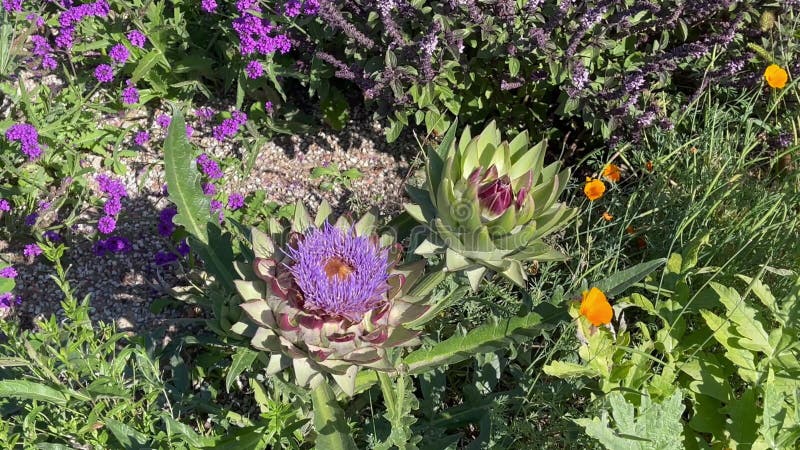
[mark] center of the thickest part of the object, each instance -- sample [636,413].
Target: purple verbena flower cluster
[229,127]
[141,138]
[28,138]
[136,38]
[113,244]
[7,300]
[130,95]
[256,33]
[119,53]
[104,73]
[12,5]
[5,206]
[254,70]
[8,272]
[165,225]
[235,201]
[113,206]
[163,121]
[208,6]
[43,49]
[32,250]
[73,15]
[209,167]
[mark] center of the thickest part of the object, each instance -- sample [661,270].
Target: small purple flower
[209,189]
[8,272]
[141,138]
[113,206]
[183,248]
[208,6]
[164,258]
[36,19]
[130,95]
[268,107]
[113,244]
[111,186]
[254,70]
[216,205]
[235,201]
[49,62]
[165,225]
[119,53]
[104,73]
[229,127]
[32,250]
[5,206]
[107,225]
[30,219]
[28,138]
[189,131]
[209,167]
[7,300]
[12,5]
[136,38]
[52,236]
[163,121]
[204,113]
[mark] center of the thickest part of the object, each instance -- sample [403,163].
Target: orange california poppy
[594,189]
[607,217]
[649,166]
[595,307]
[776,77]
[611,172]
[630,229]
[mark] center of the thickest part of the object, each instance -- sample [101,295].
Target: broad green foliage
[488,204]
[650,426]
[731,356]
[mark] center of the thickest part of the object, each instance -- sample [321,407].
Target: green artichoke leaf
[528,210]
[416,212]
[488,141]
[504,223]
[474,276]
[277,362]
[302,220]
[428,248]
[366,224]
[248,291]
[438,156]
[455,261]
[263,245]
[347,380]
[470,159]
[515,273]
[303,371]
[519,147]
[323,212]
[427,284]
[424,200]
[329,420]
[542,192]
[446,201]
[464,140]
[516,241]
[439,305]
[553,220]
[449,236]
[539,251]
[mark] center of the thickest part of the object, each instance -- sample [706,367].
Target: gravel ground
[123,286]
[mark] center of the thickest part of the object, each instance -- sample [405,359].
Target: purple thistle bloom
[8,272]
[104,73]
[340,273]
[107,225]
[119,53]
[5,205]
[208,6]
[235,201]
[163,121]
[141,138]
[254,70]
[32,250]
[130,95]
[136,38]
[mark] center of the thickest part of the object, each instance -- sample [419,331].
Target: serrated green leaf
[622,280]
[329,421]
[242,360]
[29,390]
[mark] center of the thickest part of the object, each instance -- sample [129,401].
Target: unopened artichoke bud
[487,204]
[329,298]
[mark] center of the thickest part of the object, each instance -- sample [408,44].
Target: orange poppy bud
[776,77]
[641,243]
[649,166]
[594,189]
[611,172]
[596,308]
[630,229]
[607,217]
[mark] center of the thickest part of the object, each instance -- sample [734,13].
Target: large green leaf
[128,437]
[486,338]
[242,361]
[28,390]
[329,421]
[183,181]
[622,280]
[655,426]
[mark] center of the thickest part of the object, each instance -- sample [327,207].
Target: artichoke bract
[330,298]
[487,204]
